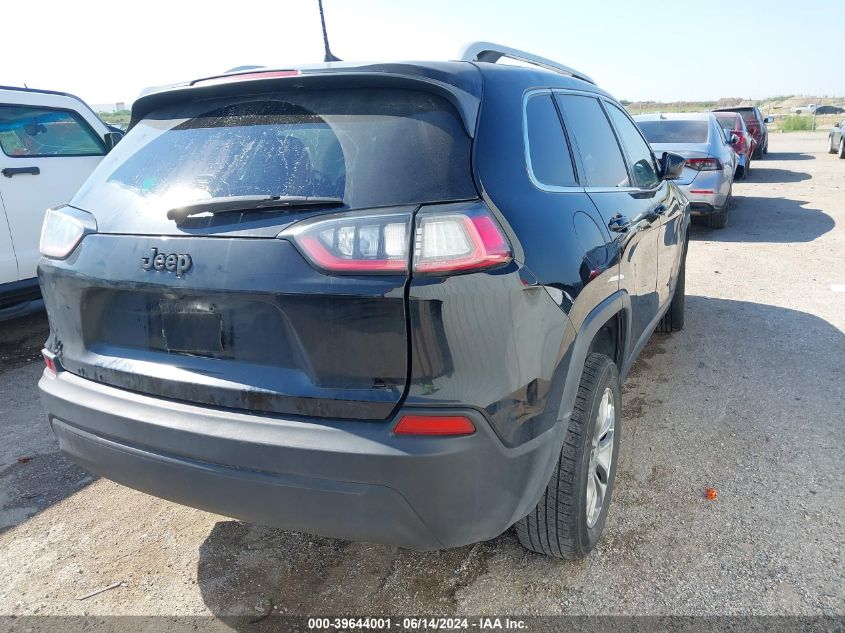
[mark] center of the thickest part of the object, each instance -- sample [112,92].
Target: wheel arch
[606,330]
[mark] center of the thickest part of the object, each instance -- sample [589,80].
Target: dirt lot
[749,399]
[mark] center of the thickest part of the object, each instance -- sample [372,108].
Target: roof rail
[489,52]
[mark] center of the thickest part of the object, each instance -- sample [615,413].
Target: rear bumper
[708,193]
[343,479]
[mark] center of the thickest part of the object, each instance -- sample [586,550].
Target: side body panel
[27,196]
[510,332]
[8,260]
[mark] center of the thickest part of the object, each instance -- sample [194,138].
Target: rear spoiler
[466,103]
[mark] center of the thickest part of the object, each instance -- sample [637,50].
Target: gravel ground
[748,399]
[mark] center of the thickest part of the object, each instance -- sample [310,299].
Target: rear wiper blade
[230,204]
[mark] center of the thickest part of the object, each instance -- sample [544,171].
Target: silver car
[836,140]
[711,161]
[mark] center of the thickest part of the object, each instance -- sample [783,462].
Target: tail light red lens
[354,242]
[445,240]
[704,164]
[434,425]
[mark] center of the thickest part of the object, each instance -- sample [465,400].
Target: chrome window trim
[527,151]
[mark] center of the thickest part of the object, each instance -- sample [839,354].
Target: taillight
[452,242]
[434,425]
[63,229]
[446,239]
[355,242]
[704,164]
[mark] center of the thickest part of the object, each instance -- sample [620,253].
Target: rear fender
[601,314]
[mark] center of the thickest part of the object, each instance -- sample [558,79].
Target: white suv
[49,143]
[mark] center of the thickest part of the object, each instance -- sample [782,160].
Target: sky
[105,52]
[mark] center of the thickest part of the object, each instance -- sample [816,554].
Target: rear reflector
[50,362]
[434,425]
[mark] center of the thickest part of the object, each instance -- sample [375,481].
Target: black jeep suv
[388,302]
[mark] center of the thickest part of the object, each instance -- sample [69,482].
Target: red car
[756,123]
[745,146]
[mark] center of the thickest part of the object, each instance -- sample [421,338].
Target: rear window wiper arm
[230,204]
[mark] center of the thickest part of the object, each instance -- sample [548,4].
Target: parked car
[708,174]
[739,139]
[827,109]
[756,123]
[372,302]
[836,140]
[50,142]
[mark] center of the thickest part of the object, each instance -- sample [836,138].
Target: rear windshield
[747,114]
[370,147]
[674,131]
[726,122]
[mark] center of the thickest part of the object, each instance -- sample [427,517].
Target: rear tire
[568,521]
[673,320]
[719,219]
[842,147]
[831,146]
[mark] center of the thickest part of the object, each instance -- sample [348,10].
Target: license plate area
[191,327]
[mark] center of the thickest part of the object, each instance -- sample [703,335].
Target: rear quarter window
[549,159]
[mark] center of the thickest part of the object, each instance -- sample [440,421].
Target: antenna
[329,57]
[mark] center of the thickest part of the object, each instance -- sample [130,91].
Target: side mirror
[110,139]
[733,139]
[769,119]
[671,166]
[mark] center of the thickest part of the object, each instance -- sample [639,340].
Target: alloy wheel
[601,457]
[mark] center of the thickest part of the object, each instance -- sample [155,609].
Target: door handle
[11,171]
[619,223]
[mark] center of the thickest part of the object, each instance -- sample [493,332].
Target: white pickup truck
[49,143]
[807,108]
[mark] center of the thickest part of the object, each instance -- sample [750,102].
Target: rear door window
[27,131]
[639,154]
[549,160]
[370,147]
[597,144]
